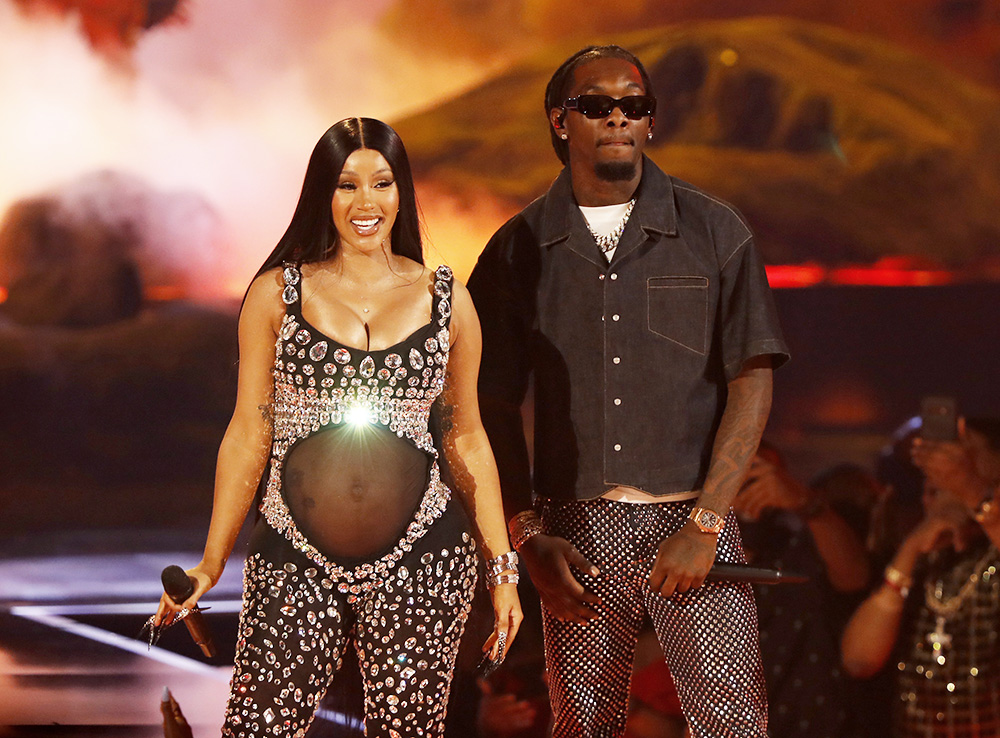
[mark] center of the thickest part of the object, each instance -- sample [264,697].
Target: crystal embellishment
[444,308]
[291,275]
[416,359]
[318,351]
[289,295]
[397,389]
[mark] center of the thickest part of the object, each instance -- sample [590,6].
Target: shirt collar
[655,208]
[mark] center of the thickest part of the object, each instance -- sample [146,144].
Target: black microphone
[753,575]
[179,586]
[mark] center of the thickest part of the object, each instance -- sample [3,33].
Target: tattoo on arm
[267,413]
[739,434]
[447,418]
[461,479]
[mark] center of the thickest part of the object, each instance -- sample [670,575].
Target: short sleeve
[499,292]
[748,320]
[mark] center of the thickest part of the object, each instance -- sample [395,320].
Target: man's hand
[548,560]
[683,560]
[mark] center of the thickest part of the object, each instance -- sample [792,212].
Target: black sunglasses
[634,107]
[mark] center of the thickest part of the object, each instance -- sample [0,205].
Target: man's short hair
[556,90]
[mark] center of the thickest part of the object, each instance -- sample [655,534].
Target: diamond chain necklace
[610,241]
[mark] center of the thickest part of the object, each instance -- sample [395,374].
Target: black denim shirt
[630,359]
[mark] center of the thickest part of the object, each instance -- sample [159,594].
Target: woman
[346,342]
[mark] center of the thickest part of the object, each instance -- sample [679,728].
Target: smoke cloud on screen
[222,110]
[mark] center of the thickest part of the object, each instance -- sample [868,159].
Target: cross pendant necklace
[939,639]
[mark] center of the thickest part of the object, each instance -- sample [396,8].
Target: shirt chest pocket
[677,310]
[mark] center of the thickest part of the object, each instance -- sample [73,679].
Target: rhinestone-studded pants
[709,635]
[295,625]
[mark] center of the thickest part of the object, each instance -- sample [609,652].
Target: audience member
[790,526]
[935,614]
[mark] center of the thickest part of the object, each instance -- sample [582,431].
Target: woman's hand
[932,533]
[507,617]
[937,531]
[168,609]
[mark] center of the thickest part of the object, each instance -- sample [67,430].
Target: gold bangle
[898,581]
[523,526]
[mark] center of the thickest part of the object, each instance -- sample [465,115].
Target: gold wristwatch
[708,521]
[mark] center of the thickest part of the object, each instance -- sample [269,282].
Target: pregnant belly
[353,491]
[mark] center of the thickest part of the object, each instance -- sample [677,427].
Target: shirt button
[618,401]
[602,277]
[618,447]
[614,276]
[615,317]
[617,360]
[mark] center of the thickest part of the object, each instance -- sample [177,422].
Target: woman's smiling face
[366,201]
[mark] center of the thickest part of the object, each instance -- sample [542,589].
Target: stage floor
[70,664]
[72,605]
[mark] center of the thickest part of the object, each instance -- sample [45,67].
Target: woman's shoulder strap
[443,279]
[291,272]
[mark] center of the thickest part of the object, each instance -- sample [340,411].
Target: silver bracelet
[504,562]
[492,580]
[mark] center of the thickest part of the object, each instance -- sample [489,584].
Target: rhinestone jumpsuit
[359,539]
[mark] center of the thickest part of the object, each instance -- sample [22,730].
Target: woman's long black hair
[311,236]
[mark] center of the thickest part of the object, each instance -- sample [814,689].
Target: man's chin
[615,171]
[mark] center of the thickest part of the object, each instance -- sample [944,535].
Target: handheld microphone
[179,586]
[753,575]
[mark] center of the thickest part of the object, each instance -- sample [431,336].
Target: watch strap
[708,521]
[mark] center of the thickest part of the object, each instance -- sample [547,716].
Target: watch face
[708,519]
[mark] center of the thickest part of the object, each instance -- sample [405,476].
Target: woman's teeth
[365,225]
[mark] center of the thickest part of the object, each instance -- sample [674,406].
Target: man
[640,308]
